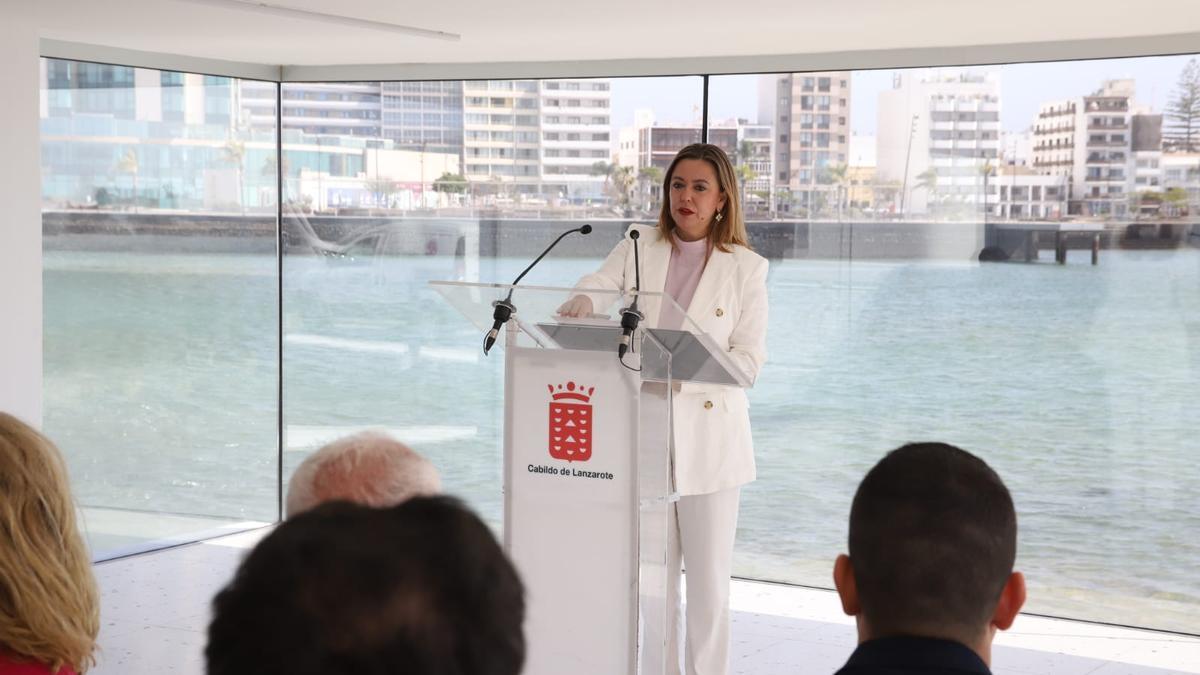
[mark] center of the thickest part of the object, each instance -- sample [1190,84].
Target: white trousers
[700,533]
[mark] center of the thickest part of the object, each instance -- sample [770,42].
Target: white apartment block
[1016,148]
[756,150]
[1017,193]
[1107,150]
[501,135]
[1054,138]
[1181,171]
[334,109]
[947,121]
[576,133]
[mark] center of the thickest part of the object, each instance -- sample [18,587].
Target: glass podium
[588,466]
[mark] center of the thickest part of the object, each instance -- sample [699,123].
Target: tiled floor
[155,613]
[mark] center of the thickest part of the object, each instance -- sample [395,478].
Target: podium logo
[570,422]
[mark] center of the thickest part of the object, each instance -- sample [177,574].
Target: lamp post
[912,131]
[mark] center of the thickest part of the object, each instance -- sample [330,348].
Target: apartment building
[501,135]
[811,116]
[1107,148]
[425,115]
[576,134]
[938,132]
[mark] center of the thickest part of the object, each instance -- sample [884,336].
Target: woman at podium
[699,255]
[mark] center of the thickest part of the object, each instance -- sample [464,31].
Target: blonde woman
[699,255]
[49,605]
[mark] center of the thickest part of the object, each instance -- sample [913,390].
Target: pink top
[683,276]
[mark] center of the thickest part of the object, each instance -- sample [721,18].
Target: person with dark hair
[422,588]
[929,578]
[699,254]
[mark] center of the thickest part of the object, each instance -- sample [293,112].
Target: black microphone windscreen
[634,234]
[586,229]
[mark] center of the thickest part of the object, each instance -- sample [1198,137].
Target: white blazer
[713,445]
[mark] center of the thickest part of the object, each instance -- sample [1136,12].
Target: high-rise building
[811,116]
[502,136]
[939,136]
[90,113]
[576,135]
[127,93]
[425,115]
[326,109]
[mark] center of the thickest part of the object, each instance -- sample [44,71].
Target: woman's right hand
[577,306]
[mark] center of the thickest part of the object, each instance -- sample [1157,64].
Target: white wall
[20,218]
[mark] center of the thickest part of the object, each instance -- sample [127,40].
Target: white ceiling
[558,30]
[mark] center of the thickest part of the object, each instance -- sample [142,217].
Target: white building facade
[938,136]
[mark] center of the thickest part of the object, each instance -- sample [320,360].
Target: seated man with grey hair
[368,468]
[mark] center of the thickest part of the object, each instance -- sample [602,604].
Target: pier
[1065,235]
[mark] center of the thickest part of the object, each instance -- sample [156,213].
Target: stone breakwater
[526,237]
[487,237]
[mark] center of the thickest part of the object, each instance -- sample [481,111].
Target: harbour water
[1079,384]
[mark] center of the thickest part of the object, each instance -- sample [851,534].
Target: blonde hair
[49,605]
[368,468]
[730,230]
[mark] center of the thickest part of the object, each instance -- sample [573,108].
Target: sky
[1023,87]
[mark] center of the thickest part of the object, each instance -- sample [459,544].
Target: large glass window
[369,222]
[913,219]
[1073,381]
[158,194]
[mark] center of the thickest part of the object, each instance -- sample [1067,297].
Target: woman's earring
[719,216]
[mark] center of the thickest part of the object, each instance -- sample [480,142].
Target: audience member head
[421,588]
[49,605]
[369,468]
[933,538]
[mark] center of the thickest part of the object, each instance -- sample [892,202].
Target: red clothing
[10,666]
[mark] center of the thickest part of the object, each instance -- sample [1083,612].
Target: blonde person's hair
[731,229]
[368,468]
[49,605]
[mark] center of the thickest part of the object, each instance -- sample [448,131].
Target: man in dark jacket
[929,577]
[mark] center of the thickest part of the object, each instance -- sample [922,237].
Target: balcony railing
[1057,113]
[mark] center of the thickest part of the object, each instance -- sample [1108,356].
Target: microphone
[504,308]
[630,316]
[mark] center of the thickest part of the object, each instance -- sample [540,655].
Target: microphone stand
[503,309]
[630,316]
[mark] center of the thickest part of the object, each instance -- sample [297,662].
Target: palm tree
[234,152]
[839,175]
[745,151]
[985,170]
[603,168]
[129,164]
[744,175]
[622,183]
[928,180]
[648,178]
